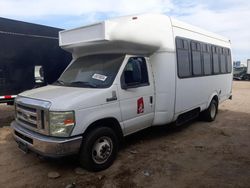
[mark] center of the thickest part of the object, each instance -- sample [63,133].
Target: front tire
[210,113]
[99,149]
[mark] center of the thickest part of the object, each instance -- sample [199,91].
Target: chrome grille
[32,116]
[27,115]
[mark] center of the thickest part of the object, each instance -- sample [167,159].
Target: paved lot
[199,154]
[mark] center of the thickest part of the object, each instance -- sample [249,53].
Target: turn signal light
[69,122]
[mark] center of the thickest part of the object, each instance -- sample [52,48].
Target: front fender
[85,117]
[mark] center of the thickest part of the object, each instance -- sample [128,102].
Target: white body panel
[164,70]
[198,91]
[121,35]
[151,36]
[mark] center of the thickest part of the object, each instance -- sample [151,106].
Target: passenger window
[196,59]
[183,62]
[223,61]
[179,43]
[135,72]
[229,62]
[207,62]
[216,67]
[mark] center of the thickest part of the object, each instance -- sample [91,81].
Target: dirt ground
[199,154]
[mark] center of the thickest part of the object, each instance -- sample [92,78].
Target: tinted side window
[207,61]
[229,61]
[183,62]
[216,67]
[223,61]
[196,58]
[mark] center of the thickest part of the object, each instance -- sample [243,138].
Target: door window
[135,73]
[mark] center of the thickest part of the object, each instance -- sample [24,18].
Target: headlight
[61,123]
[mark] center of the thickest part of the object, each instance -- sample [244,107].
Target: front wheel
[99,149]
[210,113]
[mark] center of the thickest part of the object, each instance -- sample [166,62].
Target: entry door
[136,94]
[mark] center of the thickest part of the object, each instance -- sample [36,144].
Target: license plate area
[27,139]
[23,147]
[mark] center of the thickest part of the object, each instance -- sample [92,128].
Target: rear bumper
[7,100]
[46,145]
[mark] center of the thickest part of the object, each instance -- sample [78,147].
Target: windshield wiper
[88,84]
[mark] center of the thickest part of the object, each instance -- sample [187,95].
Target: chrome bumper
[46,145]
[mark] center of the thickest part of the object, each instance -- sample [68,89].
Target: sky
[229,18]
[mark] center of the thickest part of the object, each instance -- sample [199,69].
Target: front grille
[31,117]
[27,115]
[26,108]
[27,123]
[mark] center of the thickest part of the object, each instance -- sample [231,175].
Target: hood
[70,98]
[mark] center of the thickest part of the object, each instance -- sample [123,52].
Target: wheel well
[108,122]
[216,99]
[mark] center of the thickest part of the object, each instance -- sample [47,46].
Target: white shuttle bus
[127,74]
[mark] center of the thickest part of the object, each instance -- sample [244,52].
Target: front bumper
[46,145]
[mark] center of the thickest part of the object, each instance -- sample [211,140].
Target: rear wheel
[99,149]
[210,114]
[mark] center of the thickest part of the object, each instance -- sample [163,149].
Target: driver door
[136,93]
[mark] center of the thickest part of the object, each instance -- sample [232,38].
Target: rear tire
[99,149]
[210,113]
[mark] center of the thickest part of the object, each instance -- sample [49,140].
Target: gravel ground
[198,154]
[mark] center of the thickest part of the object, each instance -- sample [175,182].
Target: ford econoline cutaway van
[127,74]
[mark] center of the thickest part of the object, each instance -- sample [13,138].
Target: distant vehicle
[30,57]
[239,73]
[127,74]
[248,68]
[242,73]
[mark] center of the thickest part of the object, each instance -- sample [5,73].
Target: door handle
[151,99]
[113,98]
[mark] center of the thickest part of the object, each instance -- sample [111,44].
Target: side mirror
[39,74]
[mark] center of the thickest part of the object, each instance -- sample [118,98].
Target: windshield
[94,71]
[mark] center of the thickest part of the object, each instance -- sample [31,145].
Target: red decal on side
[7,97]
[140,105]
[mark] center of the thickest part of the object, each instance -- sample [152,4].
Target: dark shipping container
[30,57]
